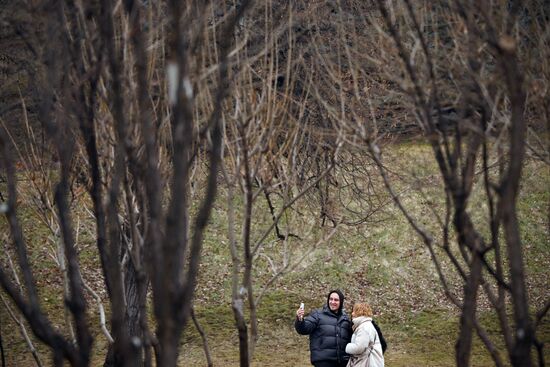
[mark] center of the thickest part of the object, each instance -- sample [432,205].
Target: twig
[23,329]
[203,337]
[101,313]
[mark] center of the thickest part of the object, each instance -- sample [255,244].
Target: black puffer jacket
[329,333]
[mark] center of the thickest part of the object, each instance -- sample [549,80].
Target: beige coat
[365,340]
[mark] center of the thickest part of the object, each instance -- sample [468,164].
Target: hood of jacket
[360,320]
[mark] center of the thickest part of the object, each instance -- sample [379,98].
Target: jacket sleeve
[361,342]
[308,324]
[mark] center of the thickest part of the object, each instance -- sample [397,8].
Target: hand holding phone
[300,312]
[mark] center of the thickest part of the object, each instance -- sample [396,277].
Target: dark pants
[330,364]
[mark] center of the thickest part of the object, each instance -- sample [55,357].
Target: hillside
[382,262]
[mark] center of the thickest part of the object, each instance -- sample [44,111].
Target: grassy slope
[387,265]
[384,264]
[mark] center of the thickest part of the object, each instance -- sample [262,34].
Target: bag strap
[371,345]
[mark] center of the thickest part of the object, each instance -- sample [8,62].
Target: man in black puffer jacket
[329,330]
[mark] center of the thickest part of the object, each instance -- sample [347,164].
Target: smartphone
[302,306]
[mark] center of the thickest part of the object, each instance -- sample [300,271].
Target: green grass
[382,262]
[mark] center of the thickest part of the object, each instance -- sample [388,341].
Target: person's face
[334,301]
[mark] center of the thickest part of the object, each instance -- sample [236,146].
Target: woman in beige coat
[365,348]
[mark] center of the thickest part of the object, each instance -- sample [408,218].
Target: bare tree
[106,113]
[264,167]
[462,66]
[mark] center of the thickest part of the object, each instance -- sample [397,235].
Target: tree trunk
[464,343]
[131,322]
[243,331]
